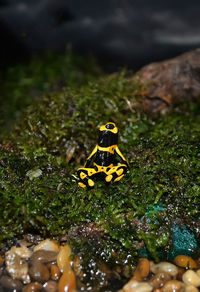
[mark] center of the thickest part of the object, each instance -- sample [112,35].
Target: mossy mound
[53,138]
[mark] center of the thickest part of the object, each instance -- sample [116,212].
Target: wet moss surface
[53,137]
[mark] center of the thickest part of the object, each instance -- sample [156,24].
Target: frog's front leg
[85,177]
[115,173]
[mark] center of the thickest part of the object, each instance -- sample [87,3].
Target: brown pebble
[67,282]
[142,270]
[9,283]
[50,286]
[158,280]
[172,286]
[1,261]
[55,272]
[32,287]
[181,271]
[39,272]
[185,262]
[44,256]
[63,260]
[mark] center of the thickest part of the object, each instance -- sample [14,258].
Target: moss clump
[53,138]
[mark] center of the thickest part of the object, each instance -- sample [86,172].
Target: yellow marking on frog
[81,185]
[110,149]
[119,177]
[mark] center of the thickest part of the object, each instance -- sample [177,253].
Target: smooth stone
[32,287]
[185,262]
[191,288]
[55,272]
[22,252]
[39,272]
[159,279]
[47,244]
[50,286]
[135,286]
[191,278]
[1,261]
[63,260]
[10,283]
[67,282]
[142,269]
[16,267]
[172,286]
[43,256]
[164,267]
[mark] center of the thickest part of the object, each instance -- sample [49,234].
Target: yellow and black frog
[103,154]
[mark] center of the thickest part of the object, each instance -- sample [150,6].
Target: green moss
[39,193]
[22,84]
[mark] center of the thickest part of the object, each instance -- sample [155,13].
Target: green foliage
[39,193]
[22,84]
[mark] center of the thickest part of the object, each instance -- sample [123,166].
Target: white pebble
[164,267]
[135,286]
[191,288]
[191,278]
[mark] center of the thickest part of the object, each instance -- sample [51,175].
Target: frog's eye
[110,126]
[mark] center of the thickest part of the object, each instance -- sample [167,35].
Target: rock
[135,286]
[10,283]
[1,261]
[23,252]
[171,81]
[172,286]
[164,267]
[191,288]
[63,260]
[50,286]
[67,282]
[55,272]
[32,287]
[39,272]
[44,256]
[47,244]
[16,266]
[191,278]
[185,262]
[159,279]
[142,270]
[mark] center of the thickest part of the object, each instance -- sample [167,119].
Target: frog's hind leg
[85,177]
[116,173]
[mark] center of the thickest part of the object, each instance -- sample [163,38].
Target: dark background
[119,33]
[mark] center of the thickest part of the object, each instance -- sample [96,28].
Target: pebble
[191,278]
[1,261]
[10,283]
[67,282]
[50,286]
[39,272]
[185,262]
[44,256]
[191,288]
[22,252]
[172,286]
[164,267]
[55,272]
[142,270]
[47,244]
[32,287]
[16,266]
[159,279]
[135,286]
[63,260]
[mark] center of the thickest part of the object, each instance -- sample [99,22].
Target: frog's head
[108,135]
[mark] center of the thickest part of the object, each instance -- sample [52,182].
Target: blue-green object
[183,239]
